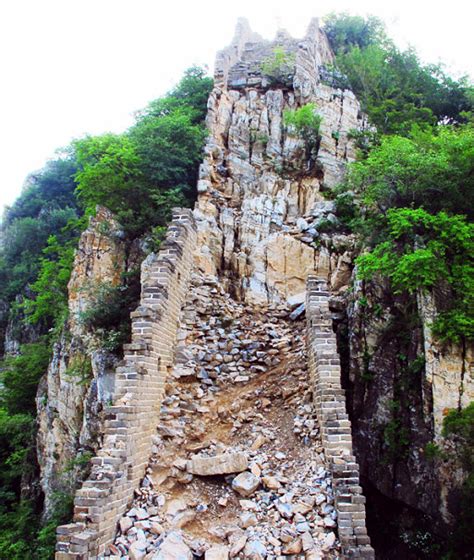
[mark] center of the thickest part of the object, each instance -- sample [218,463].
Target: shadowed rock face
[259,193]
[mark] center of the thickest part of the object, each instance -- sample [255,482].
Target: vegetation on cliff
[394,87]
[139,175]
[409,197]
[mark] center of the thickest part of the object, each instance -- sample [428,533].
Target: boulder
[226,463]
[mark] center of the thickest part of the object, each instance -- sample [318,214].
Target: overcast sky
[71,67]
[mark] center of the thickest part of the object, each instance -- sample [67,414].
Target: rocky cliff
[238,464]
[260,197]
[401,382]
[80,377]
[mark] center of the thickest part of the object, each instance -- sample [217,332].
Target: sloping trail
[240,385]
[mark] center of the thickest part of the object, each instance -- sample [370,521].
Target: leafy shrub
[20,375]
[279,67]
[396,436]
[108,313]
[142,174]
[346,32]
[430,170]
[79,369]
[459,425]
[50,288]
[306,122]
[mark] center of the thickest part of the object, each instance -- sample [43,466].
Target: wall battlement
[130,422]
[325,372]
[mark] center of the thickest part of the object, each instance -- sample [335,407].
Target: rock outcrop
[401,382]
[259,195]
[80,377]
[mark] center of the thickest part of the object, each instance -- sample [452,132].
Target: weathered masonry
[328,394]
[131,420]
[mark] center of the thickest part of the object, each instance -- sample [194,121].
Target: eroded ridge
[130,421]
[238,469]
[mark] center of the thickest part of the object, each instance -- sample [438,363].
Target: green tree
[394,87]
[141,174]
[423,251]
[430,170]
[346,32]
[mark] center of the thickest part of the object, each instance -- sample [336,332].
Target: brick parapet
[325,373]
[130,422]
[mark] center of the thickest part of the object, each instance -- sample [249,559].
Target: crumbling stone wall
[132,417]
[325,372]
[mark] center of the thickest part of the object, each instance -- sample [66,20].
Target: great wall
[227,433]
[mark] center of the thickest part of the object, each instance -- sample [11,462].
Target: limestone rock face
[99,258]
[398,375]
[257,181]
[80,375]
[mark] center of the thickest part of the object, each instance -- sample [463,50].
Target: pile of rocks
[221,341]
[237,469]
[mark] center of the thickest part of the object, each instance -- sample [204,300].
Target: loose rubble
[237,469]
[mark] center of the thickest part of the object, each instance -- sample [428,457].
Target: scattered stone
[294,547]
[271,482]
[245,483]
[125,524]
[329,541]
[255,550]
[259,441]
[238,546]
[248,520]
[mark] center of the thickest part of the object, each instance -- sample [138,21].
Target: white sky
[70,67]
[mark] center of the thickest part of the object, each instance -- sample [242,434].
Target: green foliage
[46,537]
[306,122]
[79,369]
[459,425]
[47,190]
[430,170]
[422,251]
[46,205]
[279,67]
[18,382]
[396,436]
[346,32]
[19,378]
[108,313]
[50,288]
[108,171]
[433,451]
[394,87]
[142,174]
[365,140]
